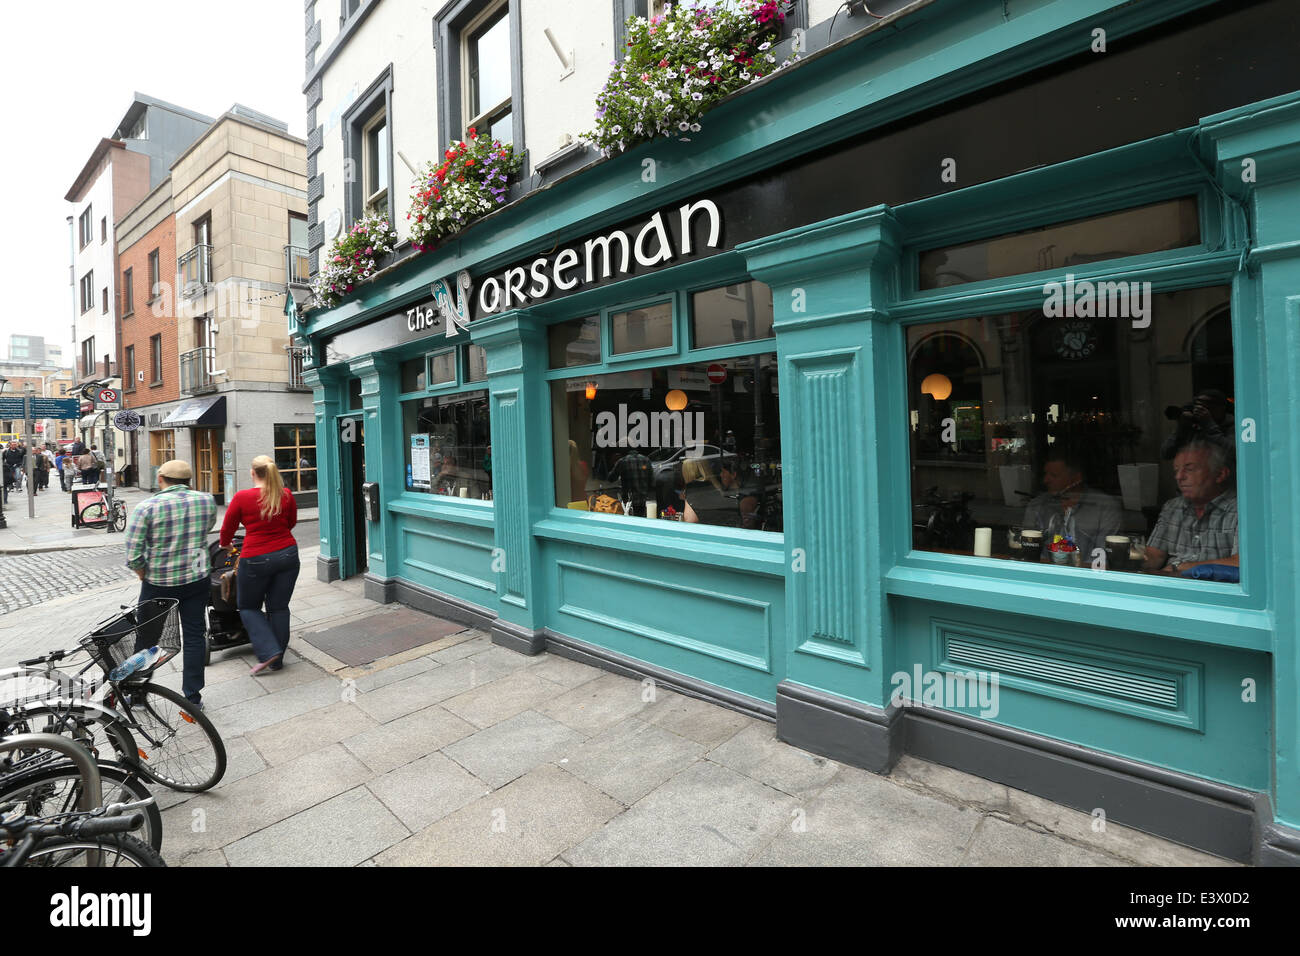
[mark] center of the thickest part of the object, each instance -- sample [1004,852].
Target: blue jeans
[193,599]
[267,579]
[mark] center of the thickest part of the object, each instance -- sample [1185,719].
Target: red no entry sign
[717,373]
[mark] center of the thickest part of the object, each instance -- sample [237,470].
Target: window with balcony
[479,70]
[87,291]
[297,262]
[195,266]
[86,228]
[368,151]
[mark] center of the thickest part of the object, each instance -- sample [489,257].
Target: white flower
[615,131]
[671,74]
[684,126]
[695,127]
[766,44]
[697,96]
[744,76]
[703,64]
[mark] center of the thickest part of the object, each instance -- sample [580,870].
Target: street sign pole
[109,459]
[30,441]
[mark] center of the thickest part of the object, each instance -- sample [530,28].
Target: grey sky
[72,66]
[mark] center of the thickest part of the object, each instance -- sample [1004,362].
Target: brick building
[149,361]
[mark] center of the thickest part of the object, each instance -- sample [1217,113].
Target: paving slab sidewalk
[460,752]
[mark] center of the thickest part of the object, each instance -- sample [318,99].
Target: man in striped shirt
[166,546]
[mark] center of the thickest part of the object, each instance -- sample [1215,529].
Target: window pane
[286,435]
[490,66]
[733,313]
[413,375]
[1067,432]
[669,443]
[354,394]
[502,128]
[641,329]
[575,343]
[475,363]
[448,445]
[442,368]
[1130,232]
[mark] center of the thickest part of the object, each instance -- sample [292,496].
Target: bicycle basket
[153,622]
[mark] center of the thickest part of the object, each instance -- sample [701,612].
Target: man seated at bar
[1200,526]
[1070,508]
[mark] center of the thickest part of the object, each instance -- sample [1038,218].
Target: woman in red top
[268,562]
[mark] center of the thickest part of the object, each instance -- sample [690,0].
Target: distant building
[120,171]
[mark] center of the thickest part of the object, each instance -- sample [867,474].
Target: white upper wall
[102,258]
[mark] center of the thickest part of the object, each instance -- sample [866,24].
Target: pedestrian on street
[88,469]
[166,546]
[268,563]
[58,466]
[40,470]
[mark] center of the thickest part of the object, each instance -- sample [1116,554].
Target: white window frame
[373,198]
[482,120]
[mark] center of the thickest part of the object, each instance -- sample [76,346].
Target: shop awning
[90,421]
[197,413]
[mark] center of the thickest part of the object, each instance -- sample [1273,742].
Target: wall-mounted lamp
[591,390]
[938,386]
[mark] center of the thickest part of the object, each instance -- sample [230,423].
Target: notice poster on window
[688,379]
[420,462]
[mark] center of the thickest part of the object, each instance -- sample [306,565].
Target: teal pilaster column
[1256,158]
[328,397]
[830,285]
[384,464]
[522,492]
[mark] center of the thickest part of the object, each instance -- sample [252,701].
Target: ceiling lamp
[937,385]
[675,400]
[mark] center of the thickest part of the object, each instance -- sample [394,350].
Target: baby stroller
[225,629]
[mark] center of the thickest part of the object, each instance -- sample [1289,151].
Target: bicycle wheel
[176,745]
[56,788]
[117,850]
[119,517]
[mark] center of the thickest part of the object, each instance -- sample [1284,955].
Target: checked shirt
[1182,535]
[168,536]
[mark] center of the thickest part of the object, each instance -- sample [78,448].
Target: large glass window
[576,342]
[1077,440]
[697,442]
[295,456]
[448,445]
[1129,232]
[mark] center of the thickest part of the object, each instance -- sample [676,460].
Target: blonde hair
[697,469]
[273,489]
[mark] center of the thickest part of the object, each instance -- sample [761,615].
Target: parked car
[668,461]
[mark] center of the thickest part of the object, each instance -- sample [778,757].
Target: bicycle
[79,838]
[151,728]
[97,514]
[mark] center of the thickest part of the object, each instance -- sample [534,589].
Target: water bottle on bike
[139,661]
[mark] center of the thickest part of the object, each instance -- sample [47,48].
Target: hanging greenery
[469,183]
[677,66]
[351,258]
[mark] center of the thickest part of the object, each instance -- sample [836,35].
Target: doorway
[354,553]
[207,462]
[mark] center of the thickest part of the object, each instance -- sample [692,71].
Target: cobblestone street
[30,579]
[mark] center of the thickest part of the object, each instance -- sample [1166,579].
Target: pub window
[731,314]
[295,456]
[354,395]
[414,374]
[368,151]
[442,368]
[475,363]
[573,343]
[698,442]
[480,86]
[1154,228]
[642,329]
[448,444]
[1099,443]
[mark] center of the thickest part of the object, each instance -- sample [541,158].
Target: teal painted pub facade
[1168,704]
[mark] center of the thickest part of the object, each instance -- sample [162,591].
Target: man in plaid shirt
[1200,526]
[166,546]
